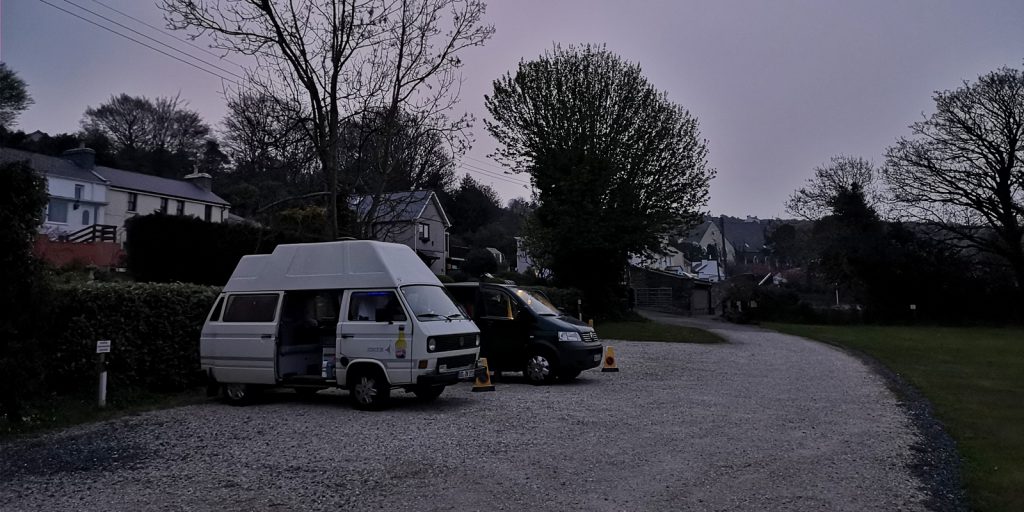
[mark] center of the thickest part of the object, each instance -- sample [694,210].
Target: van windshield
[537,303]
[431,303]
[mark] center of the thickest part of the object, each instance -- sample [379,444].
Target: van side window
[498,304]
[251,308]
[380,306]
[215,314]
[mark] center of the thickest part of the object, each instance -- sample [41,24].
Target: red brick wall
[100,254]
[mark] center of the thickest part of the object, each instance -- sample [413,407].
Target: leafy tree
[616,165]
[23,296]
[963,171]
[340,58]
[14,97]
[811,201]
[161,136]
[471,206]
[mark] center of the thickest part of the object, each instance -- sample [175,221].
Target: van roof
[330,265]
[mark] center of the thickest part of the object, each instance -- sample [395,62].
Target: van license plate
[466,374]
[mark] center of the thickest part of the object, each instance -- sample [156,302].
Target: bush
[23,292]
[154,331]
[165,248]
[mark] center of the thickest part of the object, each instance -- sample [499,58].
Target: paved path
[766,422]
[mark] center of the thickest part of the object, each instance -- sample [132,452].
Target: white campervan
[362,315]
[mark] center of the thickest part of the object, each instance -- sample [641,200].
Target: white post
[102,396]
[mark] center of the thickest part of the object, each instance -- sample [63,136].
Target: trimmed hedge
[154,331]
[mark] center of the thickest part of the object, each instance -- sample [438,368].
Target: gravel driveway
[764,422]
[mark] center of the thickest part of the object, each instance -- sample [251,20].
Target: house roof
[64,168]
[158,186]
[399,206]
[50,165]
[745,234]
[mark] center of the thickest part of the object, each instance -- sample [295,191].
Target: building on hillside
[85,196]
[413,218]
[708,234]
[78,196]
[133,193]
[708,270]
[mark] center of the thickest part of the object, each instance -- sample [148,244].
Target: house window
[209,213]
[181,208]
[423,230]
[57,211]
[133,202]
[85,218]
[163,205]
[79,191]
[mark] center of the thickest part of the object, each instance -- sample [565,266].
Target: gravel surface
[764,422]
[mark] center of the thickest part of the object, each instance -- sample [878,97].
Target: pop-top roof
[331,265]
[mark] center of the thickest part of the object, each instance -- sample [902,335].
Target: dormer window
[423,231]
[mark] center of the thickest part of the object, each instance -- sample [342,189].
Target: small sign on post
[102,348]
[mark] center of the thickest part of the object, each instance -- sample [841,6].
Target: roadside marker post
[102,348]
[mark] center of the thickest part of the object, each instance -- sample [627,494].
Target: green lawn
[975,379]
[651,331]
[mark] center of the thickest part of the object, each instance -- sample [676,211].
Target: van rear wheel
[369,390]
[238,394]
[427,393]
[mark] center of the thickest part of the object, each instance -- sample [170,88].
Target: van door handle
[267,336]
[348,335]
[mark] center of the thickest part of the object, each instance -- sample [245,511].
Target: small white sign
[102,346]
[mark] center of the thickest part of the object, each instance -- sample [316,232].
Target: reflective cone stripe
[609,360]
[483,382]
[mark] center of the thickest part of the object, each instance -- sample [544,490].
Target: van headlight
[431,344]
[569,336]
[478,340]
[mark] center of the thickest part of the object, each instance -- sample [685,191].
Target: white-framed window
[57,211]
[423,231]
[79,192]
[86,219]
[163,205]
[133,202]
[180,210]
[208,214]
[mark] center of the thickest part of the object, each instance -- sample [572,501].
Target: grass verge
[653,331]
[974,378]
[60,412]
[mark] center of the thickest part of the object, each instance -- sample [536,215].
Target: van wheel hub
[366,390]
[538,368]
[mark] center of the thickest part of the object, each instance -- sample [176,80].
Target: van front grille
[453,342]
[454,362]
[590,337]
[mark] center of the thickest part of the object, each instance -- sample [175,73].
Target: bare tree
[963,171]
[812,201]
[340,58]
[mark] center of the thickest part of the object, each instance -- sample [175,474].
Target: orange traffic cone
[609,360]
[483,379]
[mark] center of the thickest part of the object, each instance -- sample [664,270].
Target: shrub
[154,331]
[23,292]
[166,248]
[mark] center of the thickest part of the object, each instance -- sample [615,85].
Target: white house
[83,194]
[78,196]
[415,219]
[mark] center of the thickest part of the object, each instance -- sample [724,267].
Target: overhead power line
[169,34]
[130,38]
[157,41]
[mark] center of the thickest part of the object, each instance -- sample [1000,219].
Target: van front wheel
[369,390]
[540,368]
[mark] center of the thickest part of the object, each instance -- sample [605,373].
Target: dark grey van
[522,331]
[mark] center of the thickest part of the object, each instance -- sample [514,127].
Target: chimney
[81,156]
[201,180]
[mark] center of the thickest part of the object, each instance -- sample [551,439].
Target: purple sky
[779,87]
